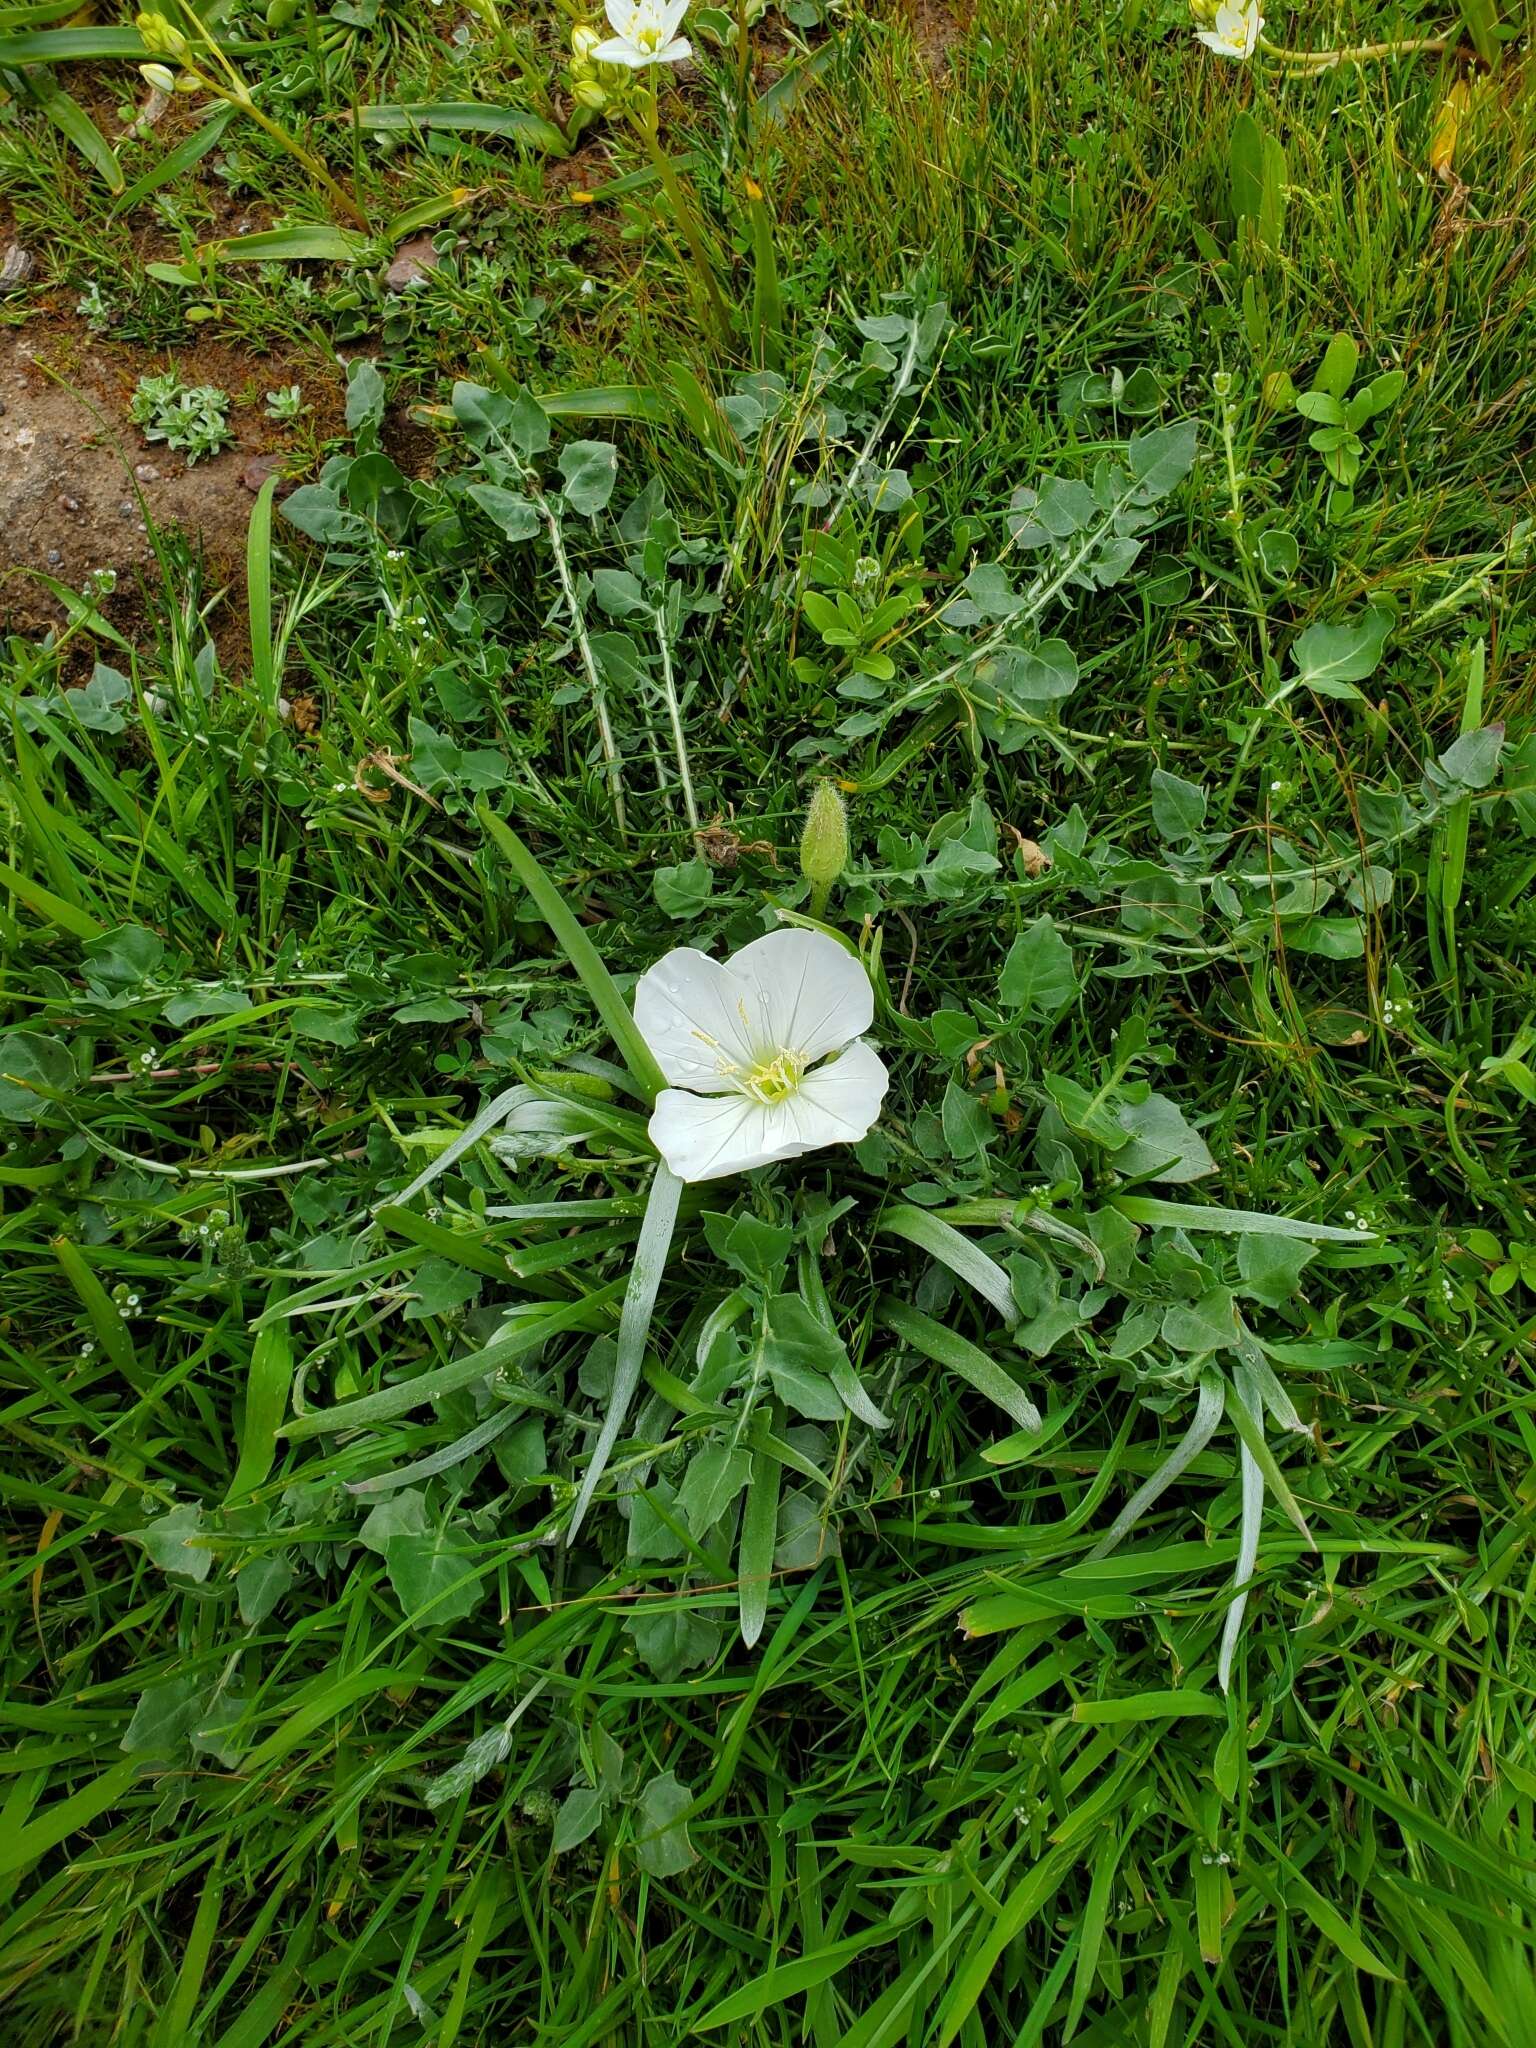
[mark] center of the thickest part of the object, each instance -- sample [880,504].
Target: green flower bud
[584,41]
[157,75]
[588,93]
[824,844]
[161,36]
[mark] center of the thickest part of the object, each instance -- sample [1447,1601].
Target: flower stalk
[648,126]
[166,40]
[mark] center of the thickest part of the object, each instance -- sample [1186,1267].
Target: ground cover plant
[1009,1520]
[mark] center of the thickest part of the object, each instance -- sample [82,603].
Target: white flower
[741,1041]
[644,32]
[1237,29]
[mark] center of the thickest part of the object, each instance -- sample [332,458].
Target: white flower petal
[678,51]
[687,1009]
[705,1137]
[671,17]
[803,992]
[708,1137]
[618,51]
[1235,32]
[620,13]
[847,1091]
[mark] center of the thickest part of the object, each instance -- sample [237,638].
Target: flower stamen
[770,1081]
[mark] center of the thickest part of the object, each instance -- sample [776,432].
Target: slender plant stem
[234,90]
[647,124]
[588,658]
[1270,667]
[901,383]
[674,713]
[1359,53]
[743,75]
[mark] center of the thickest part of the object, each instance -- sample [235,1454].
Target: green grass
[304,1764]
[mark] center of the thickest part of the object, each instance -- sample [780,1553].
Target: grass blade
[962,1358]
[581,953]
[968,1262]
[1150,1209]
[258,577]
[465,117]
[759,1528]
[528,1335]
[178,161]
[266,1403]
[1208,1412]
[645,1275]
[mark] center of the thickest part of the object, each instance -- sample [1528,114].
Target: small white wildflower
[764,1052]
[644,33]
[1236,31]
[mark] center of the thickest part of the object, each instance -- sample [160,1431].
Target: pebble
[68,504]
[54,558]
[146,472]
[414,260]
[258,469]
[16,265]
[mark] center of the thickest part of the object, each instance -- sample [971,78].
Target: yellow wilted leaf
[1447,130]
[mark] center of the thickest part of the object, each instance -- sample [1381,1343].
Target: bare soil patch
[81,489]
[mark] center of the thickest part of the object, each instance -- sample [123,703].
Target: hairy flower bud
[824,844]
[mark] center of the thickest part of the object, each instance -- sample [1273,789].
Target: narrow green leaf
[73,46]
[968,1262]
[582,954]
[528,1335]
[258,577]
[1151,1210]
[758,1530]
[311,242]
[1245,1420]
[645,1277]
[111,1332]
[266,1402]
[178,161]
[465,117]
[962,1358]
[1178,1704]
[77,127]
[65,1817]
[789,1980]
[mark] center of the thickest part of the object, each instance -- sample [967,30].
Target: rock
[16,266]
[258,469]
[68,504]
[146,472]
[413,261]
